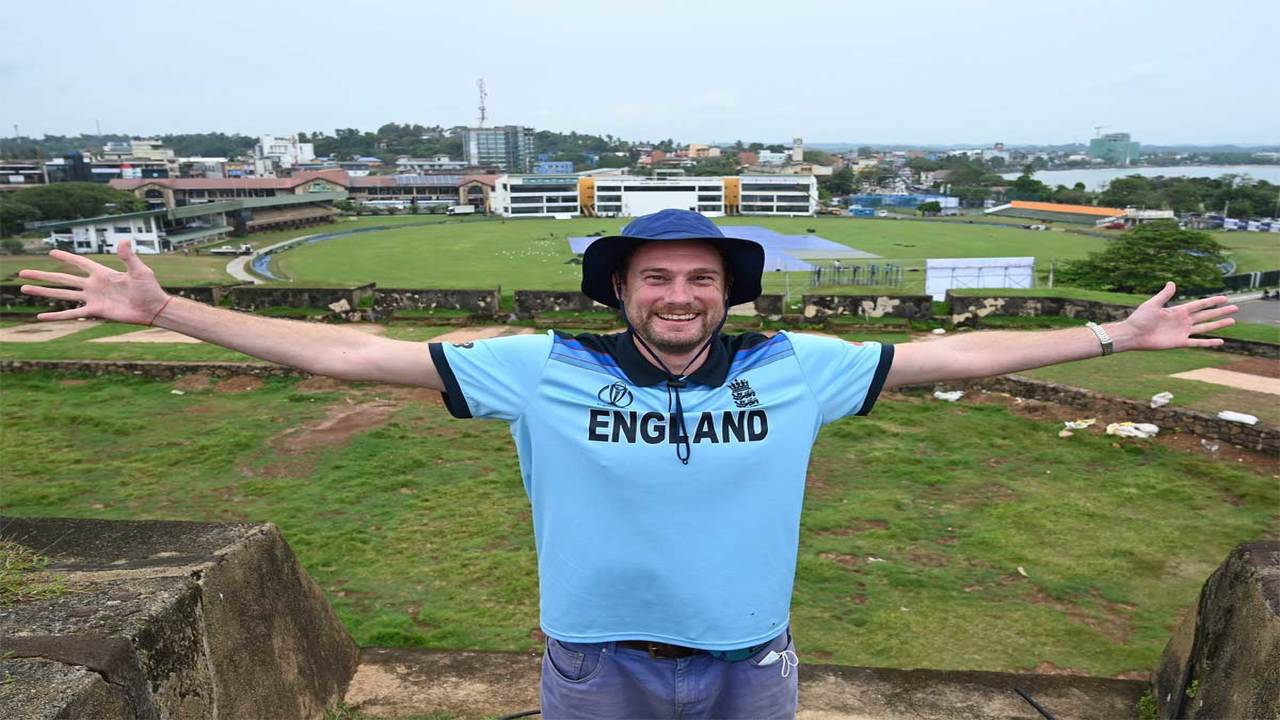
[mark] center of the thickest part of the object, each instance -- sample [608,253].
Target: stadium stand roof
[1087,214]
[338,177]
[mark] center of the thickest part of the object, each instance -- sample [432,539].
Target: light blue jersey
[632,543]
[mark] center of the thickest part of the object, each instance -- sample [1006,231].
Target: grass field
[417,528]
[534,253]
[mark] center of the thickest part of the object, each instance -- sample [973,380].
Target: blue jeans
[602,680]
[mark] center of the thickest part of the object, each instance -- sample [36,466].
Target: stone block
[170,619]
[1225,661]
[905,306]
[477,302]
[535,302]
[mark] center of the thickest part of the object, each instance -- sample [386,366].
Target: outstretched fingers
[1203,328]
[1161,298]
[72,314]
[130,258]
[53,277]
[79,261]
[1213,313]
[59,293]
[1204,342]
[1203,303]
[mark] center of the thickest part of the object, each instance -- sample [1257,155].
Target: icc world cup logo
[616,395]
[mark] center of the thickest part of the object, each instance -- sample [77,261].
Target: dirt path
[1230,378]
[44,331]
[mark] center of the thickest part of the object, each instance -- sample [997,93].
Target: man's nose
[679,292]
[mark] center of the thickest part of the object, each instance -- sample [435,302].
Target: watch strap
[1103,338]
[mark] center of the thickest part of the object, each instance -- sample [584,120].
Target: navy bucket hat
[744,258]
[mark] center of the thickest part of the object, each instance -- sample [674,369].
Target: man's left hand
[1156,327]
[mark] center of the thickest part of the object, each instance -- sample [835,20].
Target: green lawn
[1139,375]
[1251,251]
[78,346]
[1055,292]
[419,533]
[1256,332]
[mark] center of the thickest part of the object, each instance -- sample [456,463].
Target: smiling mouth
[672,317]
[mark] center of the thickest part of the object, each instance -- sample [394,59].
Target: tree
[1132,191]
[72,200]
[1144,258]
[840,182]
[818,157]
[723,165]
[1183,197]
[933,207]
[13,213]
[1028,188]
[1072,196]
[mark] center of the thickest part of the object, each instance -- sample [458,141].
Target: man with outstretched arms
[665,465]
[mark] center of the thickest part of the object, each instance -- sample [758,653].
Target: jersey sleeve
[844,377]
[491,378]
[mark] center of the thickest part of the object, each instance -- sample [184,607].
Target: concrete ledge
[393,683]
[170,619]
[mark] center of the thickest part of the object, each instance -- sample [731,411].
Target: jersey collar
[643,373]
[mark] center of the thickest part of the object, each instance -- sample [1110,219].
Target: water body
[1096,179]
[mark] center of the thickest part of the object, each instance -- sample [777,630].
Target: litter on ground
[1080,424]
[1131,429]
[949,396]
[1161,399]
[1239,417]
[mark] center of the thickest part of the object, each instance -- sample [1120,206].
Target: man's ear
[617,285]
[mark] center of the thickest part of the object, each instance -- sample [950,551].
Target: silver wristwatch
[1103,337]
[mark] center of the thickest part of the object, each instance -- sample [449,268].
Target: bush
[12,246]
[1144,258]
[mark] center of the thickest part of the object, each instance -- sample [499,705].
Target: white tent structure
[943,274]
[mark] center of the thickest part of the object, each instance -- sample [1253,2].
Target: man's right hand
[132,296]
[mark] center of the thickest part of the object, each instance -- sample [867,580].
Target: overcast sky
[925,71]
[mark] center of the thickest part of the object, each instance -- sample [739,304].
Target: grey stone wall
[207,294]
[905,306]
[1248,347]
[770,305]
[10,295]
[1260,437]
[160,369]
[534,302]
[478,302]
[253,297]
[968,309]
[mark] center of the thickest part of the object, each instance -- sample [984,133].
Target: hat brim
[602,258]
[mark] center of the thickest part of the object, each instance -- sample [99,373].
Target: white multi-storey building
[630,196]
[272,153]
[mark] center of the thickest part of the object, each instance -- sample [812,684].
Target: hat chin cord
[674,382]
